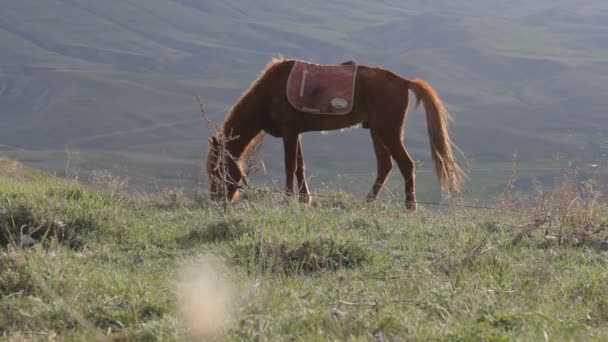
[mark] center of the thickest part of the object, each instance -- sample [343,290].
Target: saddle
[322,89]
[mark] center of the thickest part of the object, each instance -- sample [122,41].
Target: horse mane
[253,88]
[247,96]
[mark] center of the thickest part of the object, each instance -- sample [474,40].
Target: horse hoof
[305,199]
[411,206]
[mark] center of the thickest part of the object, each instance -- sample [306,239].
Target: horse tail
[448,172]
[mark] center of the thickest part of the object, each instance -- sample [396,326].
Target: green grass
[79,262]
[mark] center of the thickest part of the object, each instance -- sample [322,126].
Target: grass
[105,265]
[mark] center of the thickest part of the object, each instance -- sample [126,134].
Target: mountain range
[89,85]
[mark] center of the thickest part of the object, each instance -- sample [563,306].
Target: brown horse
[381,102]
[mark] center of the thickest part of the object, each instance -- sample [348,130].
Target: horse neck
[239,133]
[247,117]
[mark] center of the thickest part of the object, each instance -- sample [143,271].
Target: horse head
[224,172]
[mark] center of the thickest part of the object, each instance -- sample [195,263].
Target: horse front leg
[301,177]
[290,148]
[383,163]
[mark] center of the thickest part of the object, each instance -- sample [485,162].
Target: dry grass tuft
[15,275]
[223,230]
[308,256]
[22,226]
[14,170]
[570,212]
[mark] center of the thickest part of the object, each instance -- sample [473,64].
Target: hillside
[96,263]
[116,81]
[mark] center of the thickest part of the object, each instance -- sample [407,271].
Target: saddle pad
[322,89]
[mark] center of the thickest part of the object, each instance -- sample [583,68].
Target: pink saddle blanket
[322,89]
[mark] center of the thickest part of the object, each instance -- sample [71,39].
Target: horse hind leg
[383,163]
[407,167]
[304,196]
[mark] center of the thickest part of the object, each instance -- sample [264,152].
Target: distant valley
[88,85]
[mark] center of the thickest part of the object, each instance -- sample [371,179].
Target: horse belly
[316,122]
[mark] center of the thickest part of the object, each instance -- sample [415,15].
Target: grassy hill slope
[79,263]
